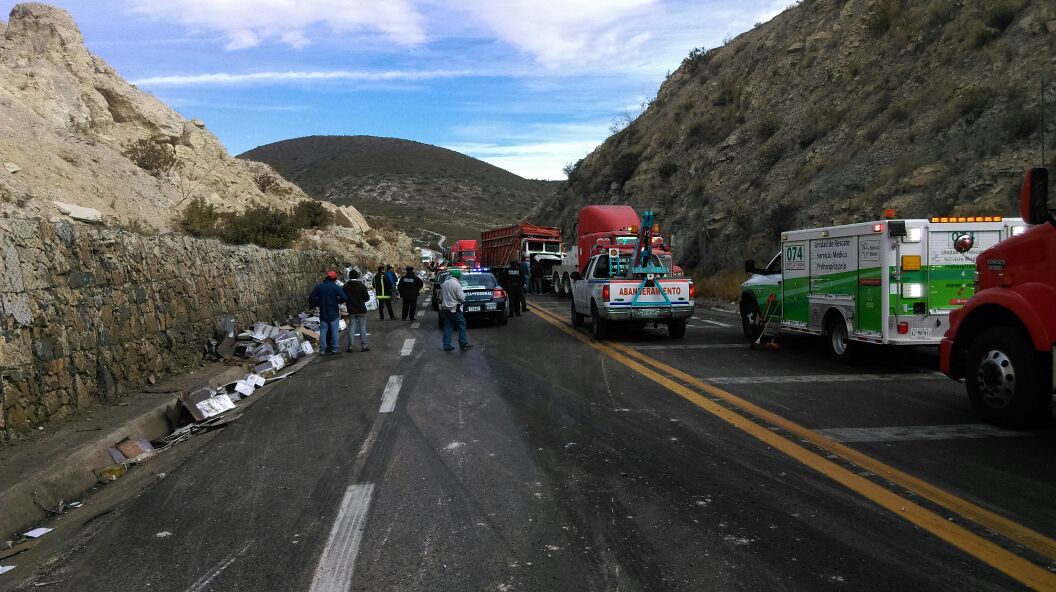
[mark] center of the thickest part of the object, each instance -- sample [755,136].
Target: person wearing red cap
[327,295]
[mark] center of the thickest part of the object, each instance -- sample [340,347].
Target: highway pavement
[543,460]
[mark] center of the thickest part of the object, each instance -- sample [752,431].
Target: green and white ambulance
[887,281]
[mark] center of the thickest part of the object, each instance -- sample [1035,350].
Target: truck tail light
[605,292]
[498,293]
[692,291]
[903,328]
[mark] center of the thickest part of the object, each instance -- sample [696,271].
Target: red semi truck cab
[464,252]
[1003,341]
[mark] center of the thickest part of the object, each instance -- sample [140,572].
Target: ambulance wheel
[599,326]
[838,340]
[677,329]
[1004,381]
[577,319]
[751,318]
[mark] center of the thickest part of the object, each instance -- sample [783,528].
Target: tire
[555,283]
[1004,379]
[577,319]
[599,326]
[751,318]
[676,329]
[837,340]
[502,318]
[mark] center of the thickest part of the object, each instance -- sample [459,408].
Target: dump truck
[627,283]
[540,245]
[1002,342]
[617,225]
[887,281]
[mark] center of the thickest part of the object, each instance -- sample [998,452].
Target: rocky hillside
[826,114]
[426,191]
[73,131]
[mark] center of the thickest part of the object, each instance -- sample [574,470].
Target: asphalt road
[540,460]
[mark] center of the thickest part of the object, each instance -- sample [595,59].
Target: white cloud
[248,23]
[229,79]
[564,32]
[535,151]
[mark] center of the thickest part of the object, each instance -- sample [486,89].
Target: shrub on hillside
[311,214]
[151,156]
[771,153]
[624,166]
[265,180]
[667,169]
[1001,15]
[200,218]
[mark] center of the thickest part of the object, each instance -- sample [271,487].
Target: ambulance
[889,281]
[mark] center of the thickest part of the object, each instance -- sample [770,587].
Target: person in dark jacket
[513,282]
[410,285]
[328,297]
[358,296]
[383,292]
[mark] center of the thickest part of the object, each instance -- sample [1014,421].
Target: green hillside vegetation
[421,189]
[827,114]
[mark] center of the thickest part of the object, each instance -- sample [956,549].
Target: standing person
[526,274]
[451,298]
[357,295]
[393,281]
[410,285]
[328,296]
[537,277]
[513,281]
[383,292]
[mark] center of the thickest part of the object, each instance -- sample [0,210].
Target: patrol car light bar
[955,219]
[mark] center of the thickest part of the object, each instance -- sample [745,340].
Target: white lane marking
[723,311]
[415,325]
[204,581]
[936,432]
[408,346]
[711,322]
[822,378]
[695,346]
[336,564]
[388,397]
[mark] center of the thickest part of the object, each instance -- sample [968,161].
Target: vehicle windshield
[468,253]
[478,280]
[535,246]
[552,247]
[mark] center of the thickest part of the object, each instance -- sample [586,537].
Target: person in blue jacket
[327,295]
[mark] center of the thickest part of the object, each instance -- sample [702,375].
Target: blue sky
[527,85]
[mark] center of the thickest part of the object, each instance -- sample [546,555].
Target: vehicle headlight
[1018,230]
[912,290]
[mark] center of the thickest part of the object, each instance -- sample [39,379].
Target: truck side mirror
[575,276]
[963,243]
[749,267]
[1034,196]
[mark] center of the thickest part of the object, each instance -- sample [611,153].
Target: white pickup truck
[652,298]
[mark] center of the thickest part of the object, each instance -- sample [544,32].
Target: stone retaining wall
[88,312]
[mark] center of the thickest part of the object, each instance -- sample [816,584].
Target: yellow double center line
[1011,564]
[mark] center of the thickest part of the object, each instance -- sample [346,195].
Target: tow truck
[1003,341]
[628,283]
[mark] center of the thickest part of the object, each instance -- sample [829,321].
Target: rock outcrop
[67,119]
[827,114]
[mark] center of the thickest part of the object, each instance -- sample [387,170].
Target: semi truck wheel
[838,340]
[555,281]
[599,326]
[1004,381]
[566,286]
[577,319]
[751,318]
[677,329]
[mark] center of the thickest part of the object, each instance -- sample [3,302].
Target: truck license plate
[472,309]
[648,313]
[920,332]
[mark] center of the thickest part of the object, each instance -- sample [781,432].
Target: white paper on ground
[6,568]
[37,532]
[306,347]
[254,379]
[277,362]
[244,388]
